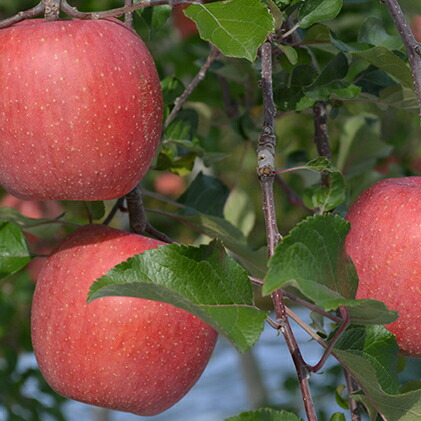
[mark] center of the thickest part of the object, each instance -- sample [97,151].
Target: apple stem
[266,176]
[137,217]
[128,16]
[51,9]
[413,48]
[321,136]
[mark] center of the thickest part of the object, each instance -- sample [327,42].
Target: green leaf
[172,88]
[313,255]
[290,53]
[155,17]
[236,27]
[239,211]
[321,164]
[341,400]
[372,32]
[14,252]
[369,353]
[337,416]
[399,96]
[43,228]
[314,11]
[204,281]
[205,194]
[360,145]
[265,415]
[388,61]
[326,198]
[96,209]
[312,258]
[233,239]
[184,126]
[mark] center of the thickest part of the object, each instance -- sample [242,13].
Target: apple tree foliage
[346,55]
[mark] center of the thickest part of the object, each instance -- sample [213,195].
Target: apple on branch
[81,109]
[385,245]
[127,354]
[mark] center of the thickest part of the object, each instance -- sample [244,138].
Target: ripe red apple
[127,354]
[80,109]
[385,245]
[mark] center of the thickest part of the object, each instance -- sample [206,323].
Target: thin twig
[292,196]
[304,303]
[27,14]
[179,102]
[352,387]
[73,12]
[265,172]
[117,206]
[346,322]
[128,16]
[413,48]
[321,136]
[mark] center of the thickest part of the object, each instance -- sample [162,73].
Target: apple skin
[81,109]
[385,245]
[127,354]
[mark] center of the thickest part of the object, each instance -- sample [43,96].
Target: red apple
[185,26]
[385,245]
[127,354]
[416,27]
[169,184]
[80,110]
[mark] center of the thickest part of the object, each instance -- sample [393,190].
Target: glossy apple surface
[385,245]
[122,353]
[80,110]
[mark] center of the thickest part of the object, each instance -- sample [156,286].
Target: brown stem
[51,9]
[48,8]
[413,48]
[74,13]
[128,16]
[346,322]
[118,206]
[192,85]
[265,172]
[352,387]
[137,217]
[292,196]
[27,14]
[304,303]
[321,136]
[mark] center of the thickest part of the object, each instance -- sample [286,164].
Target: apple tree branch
[265,173]
[413,48]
